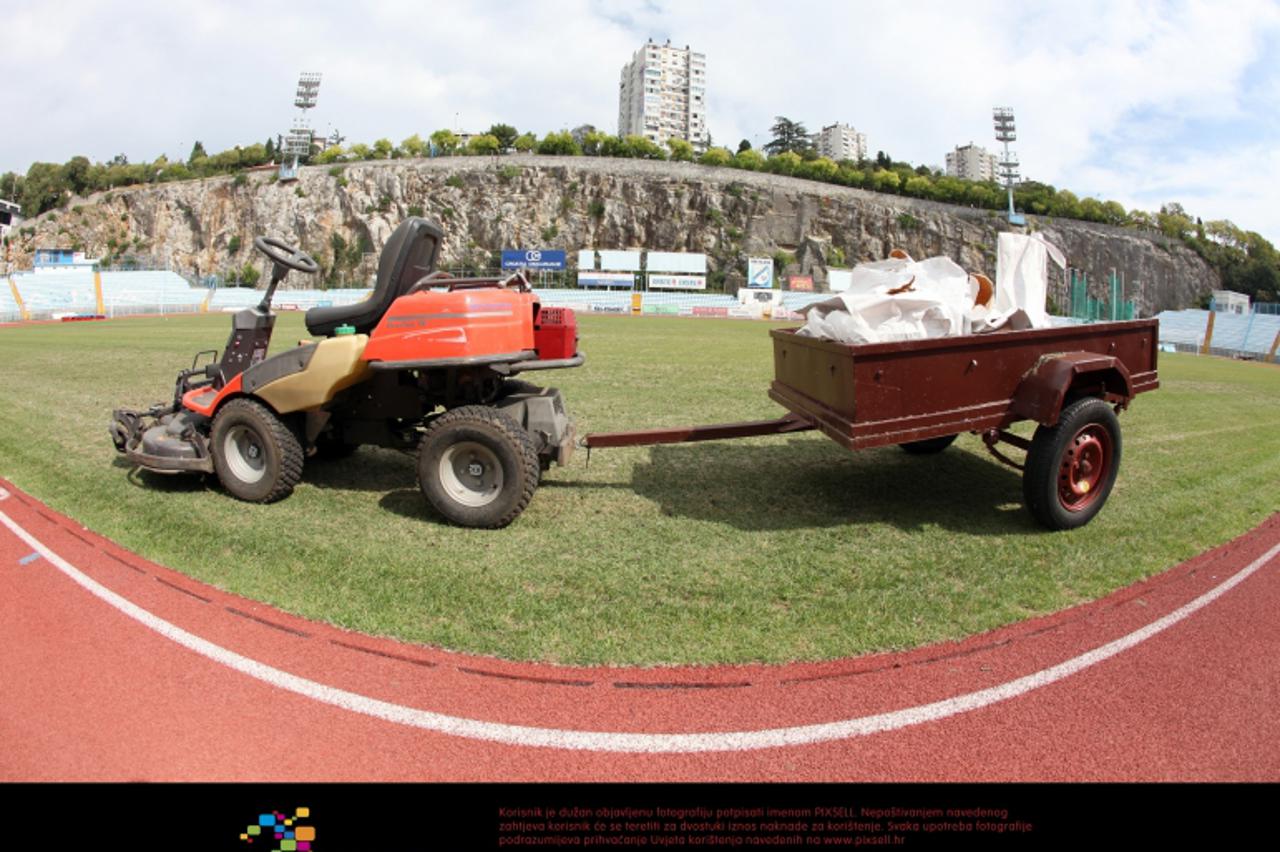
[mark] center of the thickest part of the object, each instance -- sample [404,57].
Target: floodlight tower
[1007,165]
[298,142]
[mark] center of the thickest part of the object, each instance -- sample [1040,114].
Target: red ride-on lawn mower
[425,362]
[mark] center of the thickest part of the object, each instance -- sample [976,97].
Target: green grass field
[769,549]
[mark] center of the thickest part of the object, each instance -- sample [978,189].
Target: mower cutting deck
[425,363]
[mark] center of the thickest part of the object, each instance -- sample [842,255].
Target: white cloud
[1115,98]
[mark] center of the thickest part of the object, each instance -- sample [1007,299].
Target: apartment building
[840,142]
[971,162]
[663,95]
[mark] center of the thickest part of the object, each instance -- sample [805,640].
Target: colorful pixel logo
[288,834]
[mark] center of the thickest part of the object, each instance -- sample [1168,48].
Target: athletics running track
[114,668]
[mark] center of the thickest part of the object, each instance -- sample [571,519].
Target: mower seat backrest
[410,253]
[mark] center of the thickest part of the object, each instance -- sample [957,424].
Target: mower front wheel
[477,467]
[257,457]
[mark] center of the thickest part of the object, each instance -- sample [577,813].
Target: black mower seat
[410,253]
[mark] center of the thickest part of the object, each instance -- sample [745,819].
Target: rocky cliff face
[343,215]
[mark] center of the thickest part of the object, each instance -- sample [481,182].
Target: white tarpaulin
[905,299]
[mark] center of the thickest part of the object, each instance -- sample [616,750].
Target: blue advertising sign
[533,259]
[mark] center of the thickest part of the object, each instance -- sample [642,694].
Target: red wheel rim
[1084,466]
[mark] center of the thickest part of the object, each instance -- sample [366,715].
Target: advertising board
[533,259]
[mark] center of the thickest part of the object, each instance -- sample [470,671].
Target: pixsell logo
[277,832]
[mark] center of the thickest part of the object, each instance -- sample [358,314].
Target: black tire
[928,446]
[1072,465]
[257,457]
[477,467]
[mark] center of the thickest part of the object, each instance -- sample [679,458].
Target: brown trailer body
[920,394]
[892,393]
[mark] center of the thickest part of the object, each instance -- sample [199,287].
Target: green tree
[594,142]
[254,155]
[414,146]
[716,157]
[484,144]
[883,180]
[248,275]
[76,174]
[505,134]
[1173,221]
[445,141]
[361,151]
[918,186]
[559,144]
[749,159]
[789,136]
[744,145]
[525,143]
[43,189]
[784,163]
[197,152]
[642,148]
[329,155]
[681,151]
[383,149]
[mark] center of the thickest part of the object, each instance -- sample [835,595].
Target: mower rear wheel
[477,467]
[257,457]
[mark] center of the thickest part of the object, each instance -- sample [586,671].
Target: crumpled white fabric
[935,297]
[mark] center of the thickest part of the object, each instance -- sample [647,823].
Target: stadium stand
[1248,335]
[49,294]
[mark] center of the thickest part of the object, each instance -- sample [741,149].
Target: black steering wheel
[286,255]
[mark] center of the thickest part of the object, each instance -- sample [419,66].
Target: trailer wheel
[477,467]
[256,456]
[928,446]
[1072,466]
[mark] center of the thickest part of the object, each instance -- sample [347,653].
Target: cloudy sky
[1140,102]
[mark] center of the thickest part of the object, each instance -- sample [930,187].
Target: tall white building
[663,95]
[840,142]
[971,162]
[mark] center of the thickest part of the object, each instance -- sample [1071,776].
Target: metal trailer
[921,394]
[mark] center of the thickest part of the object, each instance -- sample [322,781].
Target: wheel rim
[1084,467]
[245,454]
[471,474]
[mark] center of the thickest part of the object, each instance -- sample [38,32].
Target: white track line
[521,735]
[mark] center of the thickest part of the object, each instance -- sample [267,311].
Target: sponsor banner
[760,273]
[606,279]
[759,297]
[677,282]
[610,309]
[668,261]
[620,261]
[637,303]
[533,259]
[800,283]
[669,310]
[587,259]
[685,311]
[740,312]
[786,315]
[704,311]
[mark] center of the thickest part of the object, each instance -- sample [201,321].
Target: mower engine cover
[490,324]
